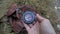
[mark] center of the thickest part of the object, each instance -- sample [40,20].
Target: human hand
[42,26]
[45,25]
[33,29]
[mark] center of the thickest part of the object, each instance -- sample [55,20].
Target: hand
[33,29]
[45,25]
[42,26]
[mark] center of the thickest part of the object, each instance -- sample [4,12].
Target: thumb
[39,18]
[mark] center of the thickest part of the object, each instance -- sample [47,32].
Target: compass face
[28,17]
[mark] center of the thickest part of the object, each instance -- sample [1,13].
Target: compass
[28,17]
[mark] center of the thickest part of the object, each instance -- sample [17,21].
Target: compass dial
[28,17]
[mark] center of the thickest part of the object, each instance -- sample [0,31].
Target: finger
[34,22]
[39,18]
[26,26]
[36,25]
[30,25]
